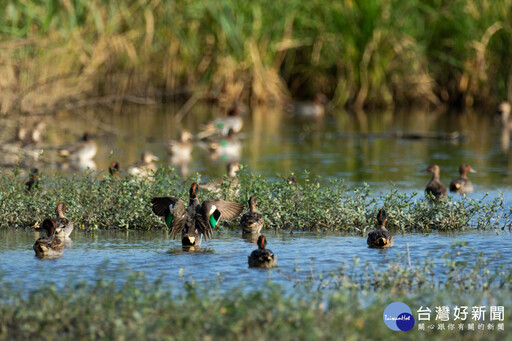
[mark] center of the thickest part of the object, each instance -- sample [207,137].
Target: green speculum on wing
[214,218]
[168,220]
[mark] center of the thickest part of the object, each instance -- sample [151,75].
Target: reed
[371,53]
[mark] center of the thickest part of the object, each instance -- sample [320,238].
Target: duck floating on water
[380,238]
[197,220]
[85,150]
[49,246]
[252,222]
[222,126]
[215,186]
[146,166]
[262,257]
[434,186]
[311,110]
[462,184]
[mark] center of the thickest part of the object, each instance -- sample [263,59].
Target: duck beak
[155,158]
[471,170]
[188,240]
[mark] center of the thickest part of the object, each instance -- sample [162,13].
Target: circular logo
[398,316]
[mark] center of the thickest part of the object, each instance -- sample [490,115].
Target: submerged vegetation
[348,304]
[66,54]
[318,205]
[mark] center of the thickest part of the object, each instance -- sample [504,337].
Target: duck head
[320,98]
[434,169]
[185,136]
[114,169]
[262,242]
[149,157]
[504,109]
[86,137]
[194,191]
[33,173]
[253,202]
[49,227]
[465,169]
[60,209]
[381,217]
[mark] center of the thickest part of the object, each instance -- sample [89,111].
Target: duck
[215,186]
[380,238]
[434,186]
[504,110]
[51,245]
[113,169]
[228,148]
[83,151]
[222,126]
[197,220]
[262,257]
[252,221]
[181,149]
[146,166]
[63,224]
[37,133]
[311,110]
[462,184]
[32,179]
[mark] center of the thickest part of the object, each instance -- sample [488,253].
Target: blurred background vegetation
[375,53]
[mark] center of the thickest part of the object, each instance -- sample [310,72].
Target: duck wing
[173,211]
[214,210]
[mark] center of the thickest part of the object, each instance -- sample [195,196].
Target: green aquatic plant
[347,303]
[317,205]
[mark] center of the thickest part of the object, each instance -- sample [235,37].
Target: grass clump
[318,205]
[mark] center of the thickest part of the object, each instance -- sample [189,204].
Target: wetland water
[359,149]
[300,255]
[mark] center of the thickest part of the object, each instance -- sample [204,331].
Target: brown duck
[462,184]
[262,257]
[252,221]
[197,220]
[380,238]
[49,246]
[434,186]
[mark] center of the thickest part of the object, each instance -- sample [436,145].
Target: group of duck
[198,220]
[194,222]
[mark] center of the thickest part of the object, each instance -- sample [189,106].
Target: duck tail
[381,241]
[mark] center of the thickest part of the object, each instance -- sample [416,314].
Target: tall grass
[360,53]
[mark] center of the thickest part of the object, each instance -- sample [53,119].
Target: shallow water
[300,256]
[357,148]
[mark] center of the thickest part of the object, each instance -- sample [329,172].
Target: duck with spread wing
[197,220]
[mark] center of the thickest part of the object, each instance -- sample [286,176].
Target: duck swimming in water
[49,246]
[380,238]
[462,184]
[262,257]
[252,222]
[435,187]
